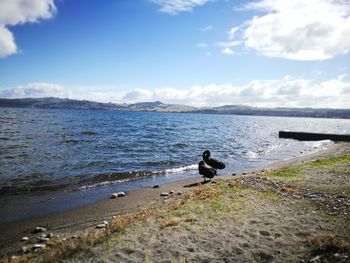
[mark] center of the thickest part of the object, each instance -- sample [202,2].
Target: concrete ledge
[308,136]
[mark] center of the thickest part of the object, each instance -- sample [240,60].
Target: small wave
[86,187]
[321,144]
[262,151]
[177,170]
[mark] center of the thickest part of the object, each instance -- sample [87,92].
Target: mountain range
[157,106]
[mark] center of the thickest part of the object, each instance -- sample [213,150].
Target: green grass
[289,173]
[325,163]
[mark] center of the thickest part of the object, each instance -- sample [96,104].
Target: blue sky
[197,52]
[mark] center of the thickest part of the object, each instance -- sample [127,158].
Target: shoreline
[74,222]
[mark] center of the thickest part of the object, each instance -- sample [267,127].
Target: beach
[266,218]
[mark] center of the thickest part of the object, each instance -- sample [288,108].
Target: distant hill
[157,106]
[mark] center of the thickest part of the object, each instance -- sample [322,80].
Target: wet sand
[75,222]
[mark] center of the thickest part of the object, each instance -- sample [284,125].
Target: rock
[43,239]
[74,237]
[114,217]
[101,226]
[179,193]
[50,235]
[38,246]
[14,257]
[155,186]
[171,192]
[164,194]
[24,239]
[116,195]
[106,223]
[24,250]
[244,173]
[38,229]
[166,198]
[234,174]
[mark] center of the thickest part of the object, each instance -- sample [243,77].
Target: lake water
[50,156]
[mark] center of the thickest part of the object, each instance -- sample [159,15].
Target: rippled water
[47,152]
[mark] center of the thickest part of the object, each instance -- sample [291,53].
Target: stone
[39,246]
[50,235]
[179,193]
[24,249]
[38,229]
[43,239]
[171,192]
[234,174]
[164,194]
[106,223]
[244,173]
[14,257]
[24,239]
[116,195]
[101,226]
[155,186]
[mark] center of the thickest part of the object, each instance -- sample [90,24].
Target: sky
[266,53]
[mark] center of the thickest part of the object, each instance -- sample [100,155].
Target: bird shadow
[197,184]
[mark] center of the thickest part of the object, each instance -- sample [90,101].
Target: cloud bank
[177,6]
[15,12]
[285,92]
[297,30]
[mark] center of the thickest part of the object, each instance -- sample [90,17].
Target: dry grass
[329,244]
[171,223]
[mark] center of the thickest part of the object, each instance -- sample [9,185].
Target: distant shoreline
[157,106]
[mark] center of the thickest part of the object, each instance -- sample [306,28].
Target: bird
[206,170]
[211,161]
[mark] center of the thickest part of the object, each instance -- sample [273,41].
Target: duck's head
[206,154]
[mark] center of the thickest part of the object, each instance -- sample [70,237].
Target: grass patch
[344,159]
[329,244]
[289,173]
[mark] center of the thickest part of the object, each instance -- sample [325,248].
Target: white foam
[178,169]
[86,187]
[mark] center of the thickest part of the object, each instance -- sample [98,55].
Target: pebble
[106,223]
[50,235]
[101,226]
[114,217]
[234,174]
[244,173]
[24,249]
[14,257]
[171,192]
[116,195]
[179,193]
[24,239]
[156,186]
[39,246]
[43,239]
[38,229]
[164,194]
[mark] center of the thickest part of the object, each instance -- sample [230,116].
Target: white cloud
[297,30]
[177,6]
[285,92]
[14,12]
[228,51]
[207,28]
[36,90]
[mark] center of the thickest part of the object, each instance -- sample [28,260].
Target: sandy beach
[252,216]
